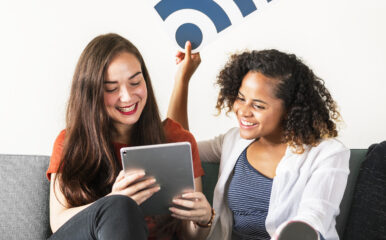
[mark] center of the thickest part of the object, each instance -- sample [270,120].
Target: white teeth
[247,123]
[127,109]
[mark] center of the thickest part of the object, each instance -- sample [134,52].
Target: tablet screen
[170,164]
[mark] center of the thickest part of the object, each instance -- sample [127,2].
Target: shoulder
[330,152]
[329,146]
[231,137]
[56,155]
[60,138]
[175,132]
[233,133]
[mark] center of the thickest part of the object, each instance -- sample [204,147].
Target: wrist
[207,224]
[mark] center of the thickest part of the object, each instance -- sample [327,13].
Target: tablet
[170,164]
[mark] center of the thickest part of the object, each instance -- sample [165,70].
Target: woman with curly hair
[282,165]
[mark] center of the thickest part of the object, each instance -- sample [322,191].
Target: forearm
[60,213]
[178,105]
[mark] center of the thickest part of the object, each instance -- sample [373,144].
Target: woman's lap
[112,217]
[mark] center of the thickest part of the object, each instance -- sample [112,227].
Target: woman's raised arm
[178,105]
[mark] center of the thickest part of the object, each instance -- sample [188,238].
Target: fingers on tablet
[184,203]
[123,181]
[142,196]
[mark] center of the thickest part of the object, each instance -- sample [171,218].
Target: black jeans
[113,217]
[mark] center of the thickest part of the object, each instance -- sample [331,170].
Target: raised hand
[133,185]
[188,63]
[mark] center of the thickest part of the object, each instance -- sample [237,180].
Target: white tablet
[170,164]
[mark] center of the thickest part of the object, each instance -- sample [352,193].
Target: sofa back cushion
[357,156]
[24,197]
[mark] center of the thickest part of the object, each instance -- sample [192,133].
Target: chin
[248,135]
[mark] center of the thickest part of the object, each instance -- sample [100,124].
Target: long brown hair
[89,165]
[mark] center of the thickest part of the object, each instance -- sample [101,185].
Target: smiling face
[125,91]
[258,111]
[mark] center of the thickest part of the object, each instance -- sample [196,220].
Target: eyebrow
[255,100]
[131,77]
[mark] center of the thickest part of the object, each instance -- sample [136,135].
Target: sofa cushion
[209,180]
[24,197]
[357,156]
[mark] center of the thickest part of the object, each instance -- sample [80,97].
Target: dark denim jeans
[113,217]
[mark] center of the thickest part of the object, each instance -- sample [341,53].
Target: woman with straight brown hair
[112,105]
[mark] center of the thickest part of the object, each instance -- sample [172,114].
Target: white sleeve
[210,150]
[319,204]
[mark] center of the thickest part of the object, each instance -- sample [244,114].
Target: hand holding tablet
[135,186]
[169,164]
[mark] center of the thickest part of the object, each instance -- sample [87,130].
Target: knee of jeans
[120,215]
[121,204]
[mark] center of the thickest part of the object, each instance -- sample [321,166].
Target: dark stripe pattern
[248,198]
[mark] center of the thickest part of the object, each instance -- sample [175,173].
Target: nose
[124,94]
[244,110]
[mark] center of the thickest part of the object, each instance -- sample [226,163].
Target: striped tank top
[248,198]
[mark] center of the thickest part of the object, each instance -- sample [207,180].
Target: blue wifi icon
[190,31]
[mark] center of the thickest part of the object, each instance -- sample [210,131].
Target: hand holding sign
[188,63]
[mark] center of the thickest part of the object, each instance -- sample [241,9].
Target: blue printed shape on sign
[220,19]
[246,6]
[190,29]
[216,14]
[189,32]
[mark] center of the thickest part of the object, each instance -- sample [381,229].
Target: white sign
[200,21]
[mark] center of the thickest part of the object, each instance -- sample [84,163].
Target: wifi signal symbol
[198,16]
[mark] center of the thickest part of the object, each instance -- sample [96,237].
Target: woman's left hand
[197,207]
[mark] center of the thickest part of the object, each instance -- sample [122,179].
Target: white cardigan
[307,187]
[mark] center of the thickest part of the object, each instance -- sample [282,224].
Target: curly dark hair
[311,113]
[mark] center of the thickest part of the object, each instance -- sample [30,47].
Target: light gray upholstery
[24,197]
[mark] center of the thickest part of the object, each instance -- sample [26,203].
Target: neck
[273,140]
[122,134]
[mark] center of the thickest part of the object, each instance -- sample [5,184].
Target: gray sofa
[24,197]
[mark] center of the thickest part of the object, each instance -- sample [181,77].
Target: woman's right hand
[127,184]
[178,105]
[188,63]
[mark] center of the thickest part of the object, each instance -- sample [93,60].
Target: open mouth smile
[128,110]
[246,124]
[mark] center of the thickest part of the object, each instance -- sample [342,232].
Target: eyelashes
[255,106]
[133,84]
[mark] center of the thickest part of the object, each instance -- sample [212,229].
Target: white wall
[343,41]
